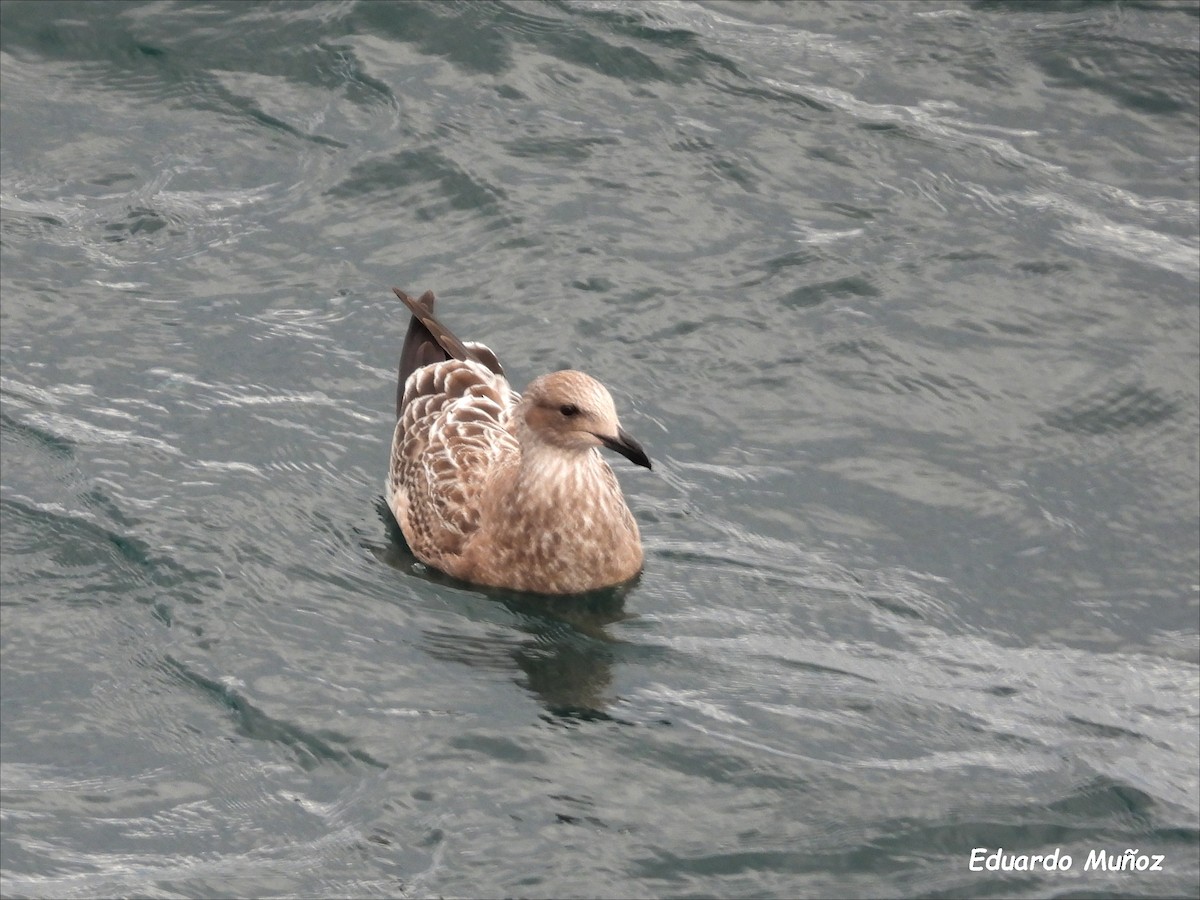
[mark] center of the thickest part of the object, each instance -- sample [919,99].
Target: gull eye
[569,409]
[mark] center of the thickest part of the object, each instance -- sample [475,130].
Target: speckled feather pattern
[452,434]
[500,490]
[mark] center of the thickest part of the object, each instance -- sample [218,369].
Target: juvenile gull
[503,489]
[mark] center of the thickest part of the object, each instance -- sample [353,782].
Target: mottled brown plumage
[503,489]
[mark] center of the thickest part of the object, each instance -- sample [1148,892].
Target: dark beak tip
[624,444]
[641,460]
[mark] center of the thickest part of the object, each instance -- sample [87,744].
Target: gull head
[573,412]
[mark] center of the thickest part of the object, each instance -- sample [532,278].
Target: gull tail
[421,348]
[428,341]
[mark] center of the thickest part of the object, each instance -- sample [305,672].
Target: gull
[504,489]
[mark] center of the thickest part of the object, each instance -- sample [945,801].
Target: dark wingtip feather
[428,341]
[421,347]
[422,309]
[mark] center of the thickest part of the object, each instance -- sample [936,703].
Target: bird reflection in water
[559,642]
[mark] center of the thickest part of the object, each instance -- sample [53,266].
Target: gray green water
[901,298]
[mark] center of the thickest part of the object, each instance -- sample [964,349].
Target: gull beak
[624,444]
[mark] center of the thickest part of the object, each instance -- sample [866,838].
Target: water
[901,299]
